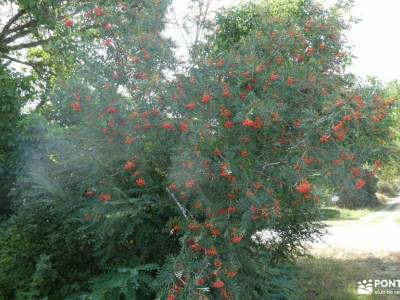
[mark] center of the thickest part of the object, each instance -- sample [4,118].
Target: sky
[375,39]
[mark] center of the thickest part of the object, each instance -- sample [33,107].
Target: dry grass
[334,274]
[343,214]
[382,198]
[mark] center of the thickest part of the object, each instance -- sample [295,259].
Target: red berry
[129,140]
[68,23]
[190,106]
[325,139]
[194,227]
[347,118]
[218,152]
[76,106]
[229,124]
[98,11]
[260,68]
[356,172]
[300,58]
[200,281]
[90,193]
[220,63]
[130,165]
[231,274]
[248,123]
[108,42]
[291,80]
[112,110]
[236,239]
[360,184]
[274,77]
[105,198]
[218,284]
[168,126]
[226,93]
[218,263]
[308,160]
[211,251]
[173,187]
[206,99]
[249,87]
[195,247]
[304,187]
[140,182]
[231,209]
[184,126]
[310,51]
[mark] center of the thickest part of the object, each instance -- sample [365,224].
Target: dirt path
[377,233]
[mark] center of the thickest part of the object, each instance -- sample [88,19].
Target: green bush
[143,186]
[388,188]
[349,198]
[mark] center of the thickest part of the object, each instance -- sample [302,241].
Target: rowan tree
[199,186]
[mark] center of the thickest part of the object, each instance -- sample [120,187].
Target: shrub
[388,188]
[146,187]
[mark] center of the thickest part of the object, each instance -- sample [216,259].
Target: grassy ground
[335,213]
[333,273]
[333,278]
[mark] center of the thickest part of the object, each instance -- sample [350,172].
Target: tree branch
[23,26]
[32,65]
[6,27]
[178,26]
[17,36]
[182,209]
[20,61]
[29,45]
[44,98]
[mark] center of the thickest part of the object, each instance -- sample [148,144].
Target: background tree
[35,48]
[235,24]
[16,89]
[199,186]
[389,177]
[66,223]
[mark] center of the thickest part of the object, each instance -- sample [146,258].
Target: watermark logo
[378,287]
[365,287]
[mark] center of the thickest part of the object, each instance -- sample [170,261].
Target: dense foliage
[202,185]
[28,73]
[234,27]
[390,175]
[15,91]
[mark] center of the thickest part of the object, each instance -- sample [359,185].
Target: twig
[183,210]
[29,45]
[22,26]
[16,36]
[32,65]
[19,61]
[10,22]
[271,164]
[178,26]
[204,20]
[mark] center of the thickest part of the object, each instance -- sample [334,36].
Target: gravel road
[377,232]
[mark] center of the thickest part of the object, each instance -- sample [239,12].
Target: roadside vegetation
[335,278]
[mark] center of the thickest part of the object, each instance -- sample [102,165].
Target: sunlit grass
[337,214]
[336,279]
